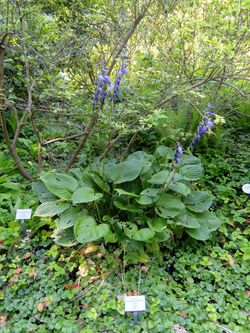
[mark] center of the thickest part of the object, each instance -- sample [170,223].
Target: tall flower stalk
[122,71]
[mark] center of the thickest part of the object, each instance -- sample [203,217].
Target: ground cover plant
[199,288]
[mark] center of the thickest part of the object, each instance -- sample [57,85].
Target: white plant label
[134,303]
[23,214]
[246,188]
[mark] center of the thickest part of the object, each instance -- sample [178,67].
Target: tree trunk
[11,147]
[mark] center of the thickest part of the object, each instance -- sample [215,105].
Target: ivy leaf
[199,201]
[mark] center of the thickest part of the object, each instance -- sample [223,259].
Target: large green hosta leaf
[85,194]
[157,224]
[189,159]
[191,172]
[187,219]
[199,201]
[86,230]
[141,157]
[50,209]
[64,237]
[100,182]
[159,178]
[43,193]
[70,216]
[169,206]
[120,191]
[148,196]
[129,207]
[208,222]
[60,184]
[134,251]
[180,188]
[131,231]
[165,152]
[125,171]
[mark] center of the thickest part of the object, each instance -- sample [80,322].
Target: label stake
[23,214]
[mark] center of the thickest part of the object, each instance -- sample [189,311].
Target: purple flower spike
[208,123]
[204,126]
[103,97]
[178,153]
[202,130]
[107,80]
[124,71]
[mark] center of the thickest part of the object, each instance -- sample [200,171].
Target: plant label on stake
[23,214]
[135,304]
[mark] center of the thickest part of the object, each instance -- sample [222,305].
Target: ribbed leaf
[159,178]
[50,209]
[126,171]
[157,224]
[187,220]
[198,201]
[191,172]
[64,237]
[60,184]
[85,194]
[128,207]
[180,188]
[148,196]
[169,206]
[43,193]
[70,216]
[208,222]
[86,230]
[132,231]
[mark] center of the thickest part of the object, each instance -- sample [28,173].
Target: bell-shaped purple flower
[202,130]
[208,123]
[178,153]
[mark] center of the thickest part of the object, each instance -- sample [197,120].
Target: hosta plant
[145,199]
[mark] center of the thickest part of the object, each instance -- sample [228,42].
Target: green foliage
[14,193]
[143,199]
[81,291]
